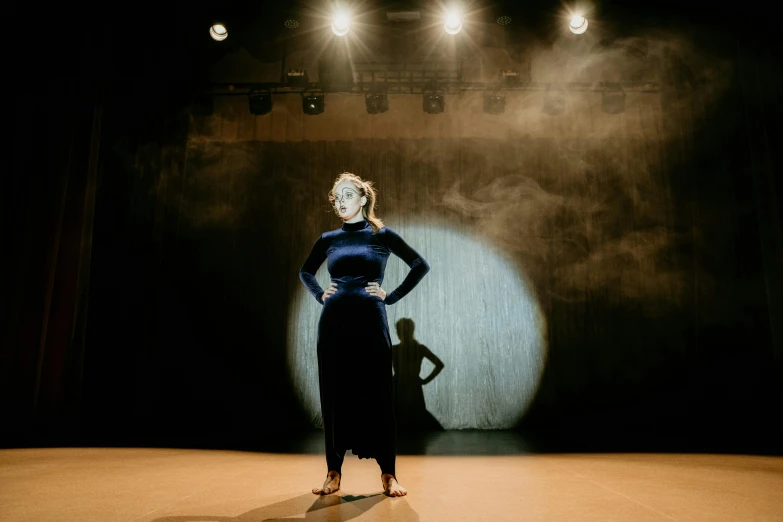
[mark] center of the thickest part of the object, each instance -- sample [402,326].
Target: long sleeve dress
[354,346]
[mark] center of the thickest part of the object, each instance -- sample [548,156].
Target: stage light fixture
[376,102]
[578,24]
[504,20]
[341,23]
[297,78]
[613,99]
[510,77]
[433,103]
[313,103]
[259,101]
[218,32]
[494,103]
[554,103]
[452,23]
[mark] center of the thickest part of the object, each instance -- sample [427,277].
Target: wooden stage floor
[179,485]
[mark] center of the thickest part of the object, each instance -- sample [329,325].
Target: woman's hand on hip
[375,289]
[332,288]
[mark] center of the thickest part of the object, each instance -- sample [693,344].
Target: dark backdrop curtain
[657,259]
[648,275]
[645,252]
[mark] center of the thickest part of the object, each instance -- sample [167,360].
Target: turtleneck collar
[353,227]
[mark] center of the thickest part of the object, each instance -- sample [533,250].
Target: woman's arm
[419,267]
[310,267]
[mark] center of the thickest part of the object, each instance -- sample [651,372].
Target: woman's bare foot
[391,487]
[331,484]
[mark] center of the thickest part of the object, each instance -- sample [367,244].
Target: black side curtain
[50,189]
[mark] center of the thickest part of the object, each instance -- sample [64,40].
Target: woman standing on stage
[354,346]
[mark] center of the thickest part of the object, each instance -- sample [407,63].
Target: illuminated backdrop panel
[475,311]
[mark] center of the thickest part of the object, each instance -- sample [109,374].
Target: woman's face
[348,201]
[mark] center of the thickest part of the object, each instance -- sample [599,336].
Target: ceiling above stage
[171,39]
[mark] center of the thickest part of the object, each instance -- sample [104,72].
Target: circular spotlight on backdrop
[452,23]
[341,23]
[578,24]
[218,32]
[475,310]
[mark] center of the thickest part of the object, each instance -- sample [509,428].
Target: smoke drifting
[583,239]
[582,199]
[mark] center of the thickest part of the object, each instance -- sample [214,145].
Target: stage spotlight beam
[452,22]
[218,32]
[518,341]
[578,24]
[341,23]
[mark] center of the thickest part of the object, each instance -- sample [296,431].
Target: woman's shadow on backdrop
[410,409]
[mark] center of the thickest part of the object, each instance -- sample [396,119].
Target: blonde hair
[366,189]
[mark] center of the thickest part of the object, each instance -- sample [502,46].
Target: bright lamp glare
[341,24]
[453,23]
[218,32]
[578,24]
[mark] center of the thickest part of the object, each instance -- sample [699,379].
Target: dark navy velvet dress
[354,346]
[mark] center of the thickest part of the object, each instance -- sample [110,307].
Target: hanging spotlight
[613,99]
[452,23]
[510,77]
[433,103]
[218,32]
[297,78]
[313,103]
[376,102]
[260,101]
[494,103]
[578,24]
[341,23]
